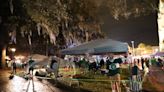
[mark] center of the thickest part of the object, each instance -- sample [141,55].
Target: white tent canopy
[43,60]
[97,47]
[158,54]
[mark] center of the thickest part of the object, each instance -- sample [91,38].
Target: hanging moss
[64,22]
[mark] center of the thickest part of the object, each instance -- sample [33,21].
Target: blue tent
[97,47]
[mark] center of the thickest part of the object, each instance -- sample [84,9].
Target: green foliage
[54,12]
[131,8]
[76,19]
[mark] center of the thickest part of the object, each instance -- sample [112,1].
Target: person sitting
[14,67]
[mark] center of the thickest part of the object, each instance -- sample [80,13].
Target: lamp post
[133,48]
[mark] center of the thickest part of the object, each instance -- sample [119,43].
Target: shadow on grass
[67,88]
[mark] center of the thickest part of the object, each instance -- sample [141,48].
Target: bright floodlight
[13,49]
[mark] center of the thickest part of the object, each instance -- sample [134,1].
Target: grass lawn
[96,82]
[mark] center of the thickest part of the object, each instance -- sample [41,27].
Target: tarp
[97,47]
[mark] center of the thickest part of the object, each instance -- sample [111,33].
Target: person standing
[130,58]
[142,62]
[102,63]
[14,67]
[136,82]
[113,67]
[31,67]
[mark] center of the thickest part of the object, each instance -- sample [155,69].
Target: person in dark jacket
[31,67]
[142,62]
[135,70]
[102,63]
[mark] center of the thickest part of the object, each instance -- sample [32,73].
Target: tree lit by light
[161,25]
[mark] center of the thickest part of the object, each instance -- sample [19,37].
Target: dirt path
[156,78]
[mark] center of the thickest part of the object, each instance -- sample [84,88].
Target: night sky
[141,29]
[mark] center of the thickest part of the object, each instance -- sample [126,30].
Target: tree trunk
[2,57]
[161,25]
[3,43]
[4,14]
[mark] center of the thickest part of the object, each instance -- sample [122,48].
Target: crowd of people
[111,66]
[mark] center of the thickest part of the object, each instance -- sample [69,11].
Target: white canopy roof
[97,47]
[158,54]
[43,60]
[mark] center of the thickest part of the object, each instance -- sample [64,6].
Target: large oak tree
[62,23]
